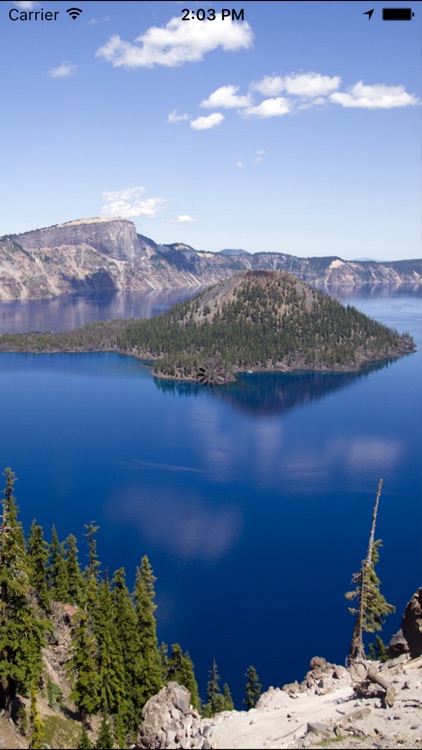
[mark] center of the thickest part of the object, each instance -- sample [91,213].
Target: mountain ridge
[110,255]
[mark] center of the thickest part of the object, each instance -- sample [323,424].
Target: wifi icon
[74,12]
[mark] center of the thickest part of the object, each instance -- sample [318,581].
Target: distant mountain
[109,255]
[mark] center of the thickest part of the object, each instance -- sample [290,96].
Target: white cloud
[298,84]
[240,164]
[174,117]
[182,219]
[94,21]
[130,203]
[64,70]
[226,98]
[176,43]
[204,123]
[268,108]
[269,85]
[311,84]
[259,156]
[376,96]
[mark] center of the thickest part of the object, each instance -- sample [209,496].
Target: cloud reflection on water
[185,526]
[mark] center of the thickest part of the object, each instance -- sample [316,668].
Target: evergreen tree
[228,700]
[125,622]
[36,724]
[92,571]
[83,667]
[213,687]
[216,701]
[119,729]
[38,559]
[181,670]
[372,606]
[21,630]
[105,738]
[253,688]
[84,742]
[57,570]
[112,678]
[378,651]
[164,659]
[175,664]
[75,580]
[151,678]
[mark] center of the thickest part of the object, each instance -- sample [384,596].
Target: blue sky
[297,130]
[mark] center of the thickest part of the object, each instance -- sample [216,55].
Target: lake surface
[252,501]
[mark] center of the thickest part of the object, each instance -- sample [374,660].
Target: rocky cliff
[109,255]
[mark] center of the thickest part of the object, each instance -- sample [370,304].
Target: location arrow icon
[369,13]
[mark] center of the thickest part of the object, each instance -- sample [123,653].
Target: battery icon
[397,14]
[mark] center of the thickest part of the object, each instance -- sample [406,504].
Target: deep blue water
[253,502]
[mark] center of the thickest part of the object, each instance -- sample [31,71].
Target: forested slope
[261,320]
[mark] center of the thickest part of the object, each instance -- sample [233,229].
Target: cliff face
[108,254]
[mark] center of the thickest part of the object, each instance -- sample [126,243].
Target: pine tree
[105,738]
[38,559]
[21,630]
[228,700]
[164,659]
[58,583]
[84,742]
[120,730]
[253,688]
[372,607]
[378,651]
[175,664]
[112,678]
[181,670]
[215,698]
[125,622]
[83,666]
[76,585]
[36,724]
[151,678]
[92,571]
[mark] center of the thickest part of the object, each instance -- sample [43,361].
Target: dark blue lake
[253,501]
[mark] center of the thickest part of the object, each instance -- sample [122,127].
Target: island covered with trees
[253,321]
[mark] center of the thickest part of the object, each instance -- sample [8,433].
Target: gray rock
[412,624]
[170,736]
[318,662]
[317,728]
[206,730]
[182,699]
[398,645]
[169,721]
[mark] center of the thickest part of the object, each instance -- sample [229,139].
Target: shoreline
[301,366]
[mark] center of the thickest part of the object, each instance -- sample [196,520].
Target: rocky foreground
[324,709]
[367,705]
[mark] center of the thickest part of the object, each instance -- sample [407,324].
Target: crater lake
[253,501]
